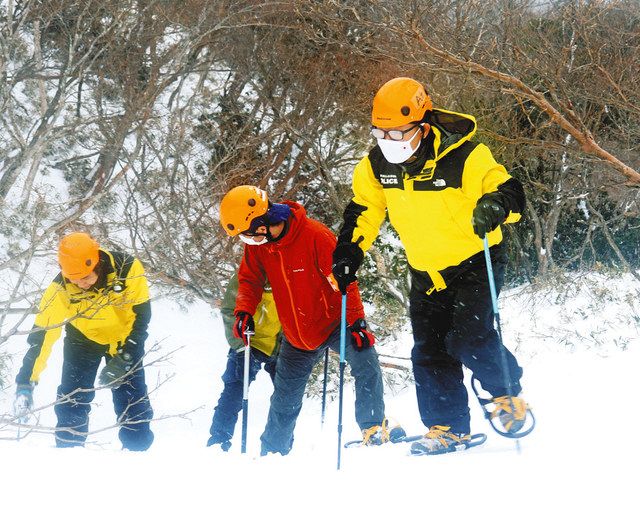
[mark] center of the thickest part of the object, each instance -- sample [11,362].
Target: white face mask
[250,241]
[398,151]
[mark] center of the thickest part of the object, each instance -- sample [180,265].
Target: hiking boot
[381,434]
[225,445]
[438,440]
[512,412]
[376,435]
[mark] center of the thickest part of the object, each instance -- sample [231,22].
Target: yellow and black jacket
[268,328]
[431,205]
[114,312]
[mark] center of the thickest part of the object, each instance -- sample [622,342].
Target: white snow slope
[580,352]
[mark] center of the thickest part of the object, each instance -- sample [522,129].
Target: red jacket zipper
[293,309]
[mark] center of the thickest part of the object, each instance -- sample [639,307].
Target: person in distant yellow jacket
[101,298]
[264,350]
[443,192]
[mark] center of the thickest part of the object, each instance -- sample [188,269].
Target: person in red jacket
[294,254]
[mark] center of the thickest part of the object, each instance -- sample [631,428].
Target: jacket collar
[105,267]
[295,223]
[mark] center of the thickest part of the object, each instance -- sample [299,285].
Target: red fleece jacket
[297,267]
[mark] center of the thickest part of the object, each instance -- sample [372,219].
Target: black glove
[113,374]
[244,323]
[347,258]
[23,402]
[361,338]
[488,214]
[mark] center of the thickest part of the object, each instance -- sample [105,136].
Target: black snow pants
[452,328]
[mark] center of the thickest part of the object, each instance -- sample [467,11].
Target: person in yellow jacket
[264,350]
[101,298]
[443,192]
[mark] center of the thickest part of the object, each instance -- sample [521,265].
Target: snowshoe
[509,416]
[440,440]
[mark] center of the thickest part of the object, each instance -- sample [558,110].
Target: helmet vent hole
[88,263]
[230,226]
[251,202]
[405,110]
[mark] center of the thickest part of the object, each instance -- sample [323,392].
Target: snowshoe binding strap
[510,417]
[444,436]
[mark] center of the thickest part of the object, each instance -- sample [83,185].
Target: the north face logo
[389,179]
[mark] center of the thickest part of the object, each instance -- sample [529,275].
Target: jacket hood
[455,128]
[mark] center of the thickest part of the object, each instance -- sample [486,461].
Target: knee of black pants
[292,374]
[473,347]
[363,363]
[458,345]
[230,400]
[419,356]
[234,371]
[430,356]
[72,409]
[130,400]
[286,404]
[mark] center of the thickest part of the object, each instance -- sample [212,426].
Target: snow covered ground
[580,349]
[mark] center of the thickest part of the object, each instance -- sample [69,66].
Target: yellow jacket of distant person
[114,312]
[267,332]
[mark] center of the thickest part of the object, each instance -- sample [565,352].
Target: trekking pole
[343,333]
[245,391]
[506,376]
[324,386]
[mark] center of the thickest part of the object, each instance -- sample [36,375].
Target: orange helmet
[240,206]
[398,102]
[77,255]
